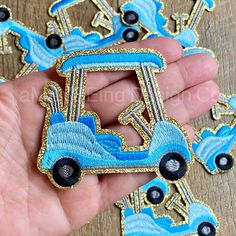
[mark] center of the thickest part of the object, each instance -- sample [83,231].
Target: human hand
[29,204]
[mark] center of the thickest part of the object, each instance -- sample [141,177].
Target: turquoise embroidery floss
[213,148]
[138,218]
[40,52]
[73,138]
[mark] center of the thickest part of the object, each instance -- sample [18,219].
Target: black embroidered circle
[155,195]
[131,17]
[66,172]
[54,41]
[130,35]
[206,229]
[4,14]
[173,166]
[224,161]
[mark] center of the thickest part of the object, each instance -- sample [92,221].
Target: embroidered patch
[214,148]
[2,79]
[139,219]
[36,53]
[149,195]
[73,134]
[150,17]
[40,52]
[226,106]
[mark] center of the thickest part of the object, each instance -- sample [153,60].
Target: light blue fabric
[168,137]
[62,4]
[213,145]
[209,3]
[93,151]
[34,44]
[196,50]
[187,38]
[146,224]
[76,41]
[38,53]
[158,182]
[75,137]
[232,102]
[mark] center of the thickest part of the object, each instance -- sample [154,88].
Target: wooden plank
[218,32]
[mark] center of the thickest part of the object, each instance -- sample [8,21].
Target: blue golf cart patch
[226,106]
[214,148]
[41,52]
[74,138]
[138,218]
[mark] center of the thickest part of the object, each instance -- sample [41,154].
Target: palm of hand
[29,204]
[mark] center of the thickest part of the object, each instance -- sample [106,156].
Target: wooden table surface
[218,32]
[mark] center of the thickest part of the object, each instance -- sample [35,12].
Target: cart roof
[210,3]
[112,59]
[61,4]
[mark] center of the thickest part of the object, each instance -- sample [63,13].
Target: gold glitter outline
[226,105]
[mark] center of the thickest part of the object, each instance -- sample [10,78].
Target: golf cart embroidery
[149,195]
[2,79]
[226,106]
[154,192]
[149,15]
[141,220]
[214,148]
[41,52]
[74,143]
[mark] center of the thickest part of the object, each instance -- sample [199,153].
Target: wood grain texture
[218,32]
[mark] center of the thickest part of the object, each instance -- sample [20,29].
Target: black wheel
[206,229]
[130,35]
[4,14]
[173,166]
[54,41]
[66,172]
[224,162]
[155,195]
[131,17]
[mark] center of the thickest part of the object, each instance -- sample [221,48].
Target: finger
[186,73]
[170,49]
[193,102]
[125,183]
[190,132]
[112,100]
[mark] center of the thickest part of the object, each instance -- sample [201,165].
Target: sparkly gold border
[227,106]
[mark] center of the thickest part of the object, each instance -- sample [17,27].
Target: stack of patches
[74,144]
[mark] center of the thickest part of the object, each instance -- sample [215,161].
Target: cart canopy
[124,59]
